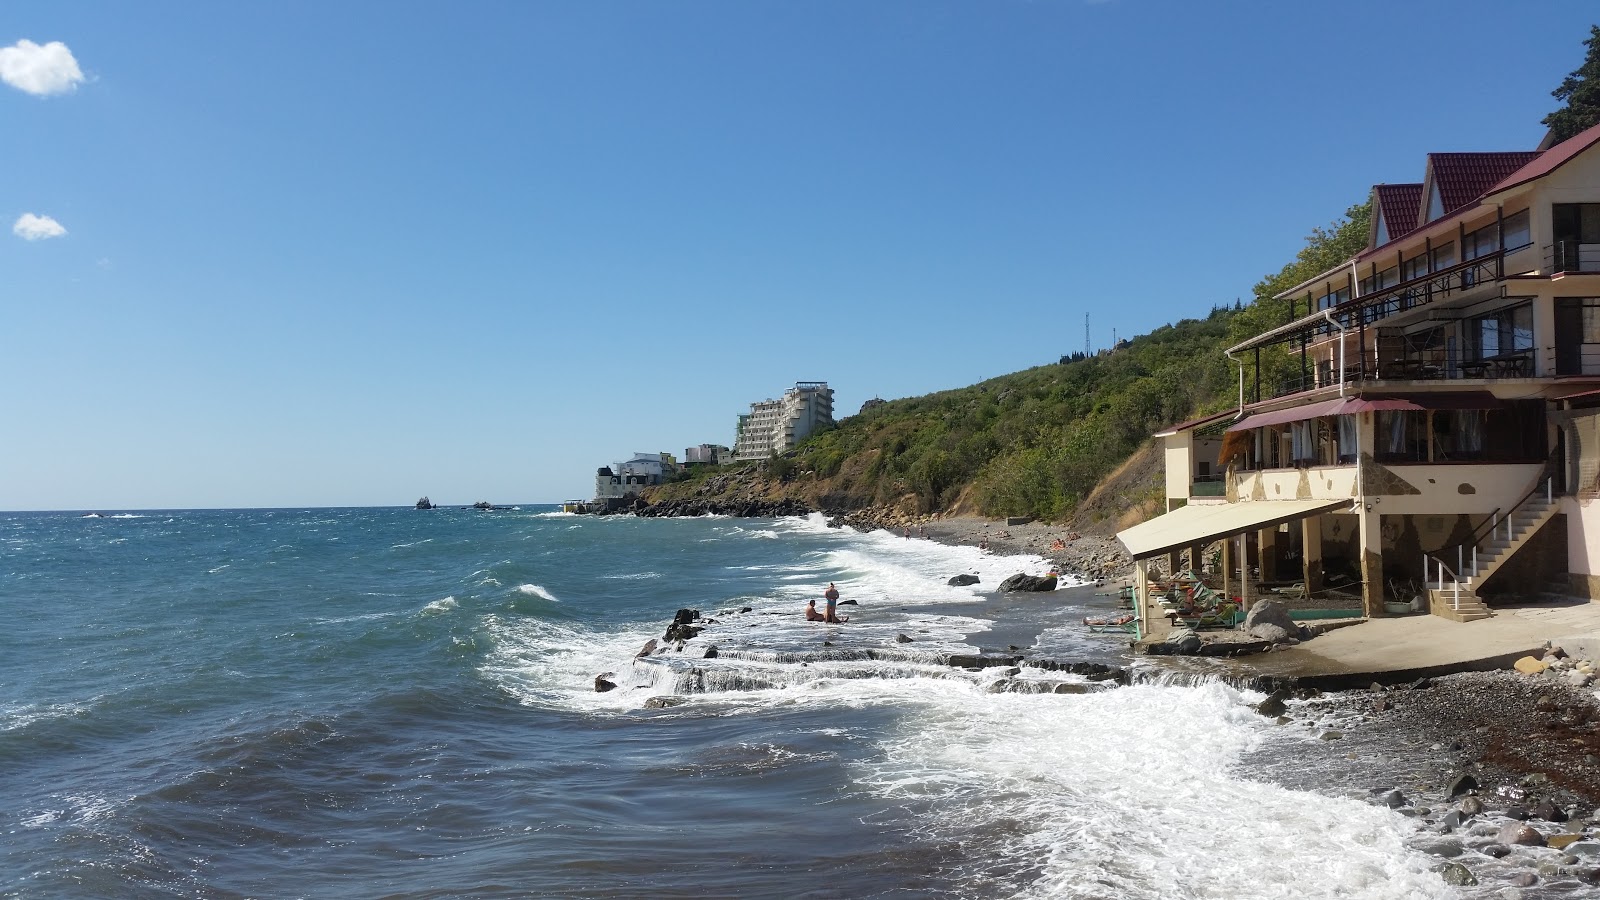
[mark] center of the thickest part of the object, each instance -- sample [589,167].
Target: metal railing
[1568,257]
[1467,551]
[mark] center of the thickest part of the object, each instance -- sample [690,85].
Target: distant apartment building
[622,482]
[707,455]
[776,426]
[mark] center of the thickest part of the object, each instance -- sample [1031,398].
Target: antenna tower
[1085,334]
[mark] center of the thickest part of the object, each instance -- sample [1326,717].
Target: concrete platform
[1392,651]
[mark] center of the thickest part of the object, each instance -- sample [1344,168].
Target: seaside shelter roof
[1368,403]
[1201,524]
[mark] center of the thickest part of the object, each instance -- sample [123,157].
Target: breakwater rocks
[744,509]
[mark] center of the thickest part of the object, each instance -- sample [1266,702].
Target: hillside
[1068,442]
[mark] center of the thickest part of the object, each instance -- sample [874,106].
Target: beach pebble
[1520,834]
[1456,874]
[1449,849]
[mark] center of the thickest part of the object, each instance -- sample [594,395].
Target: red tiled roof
[1462,178]
[1399,204]
[1550,160]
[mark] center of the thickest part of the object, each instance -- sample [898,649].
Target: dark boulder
[1461,784]
[603,682]
[963,580]
[1274,706]
[1021,582]
[680,629]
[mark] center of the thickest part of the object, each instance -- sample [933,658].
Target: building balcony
[1572,258]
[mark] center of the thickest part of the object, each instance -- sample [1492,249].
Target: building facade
[777,426]
[1428,422]
[621,483]
[707,455]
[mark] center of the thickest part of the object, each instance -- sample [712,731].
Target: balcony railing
[1571,257]
[1424,365]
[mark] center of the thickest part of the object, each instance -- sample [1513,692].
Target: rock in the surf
[963,580]
[1021,582]
[603,682]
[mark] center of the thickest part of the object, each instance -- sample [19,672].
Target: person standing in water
[832,596]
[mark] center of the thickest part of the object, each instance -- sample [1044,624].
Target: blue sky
[309,254]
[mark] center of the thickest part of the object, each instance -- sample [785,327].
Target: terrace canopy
[1187,526]
[1347,405]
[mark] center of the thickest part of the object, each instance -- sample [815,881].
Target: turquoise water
[393,702]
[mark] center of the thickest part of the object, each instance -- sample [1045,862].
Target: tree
[1581,92]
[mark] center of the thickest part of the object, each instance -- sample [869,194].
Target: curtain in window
[1347,438]
[1303,442]
[1468,430]
[1395,432]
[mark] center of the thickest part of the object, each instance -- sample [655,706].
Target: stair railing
[1455,598]
[1543,482]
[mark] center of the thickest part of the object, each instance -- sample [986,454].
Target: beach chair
[1223,615]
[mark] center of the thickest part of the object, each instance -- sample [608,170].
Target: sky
[311,254]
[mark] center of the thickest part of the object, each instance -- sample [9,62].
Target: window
[1458,434]
[1347,439]
[1501,332]
[1414,268]
[1444,256]
[1577,222]
[1482,242]
[1518,232]
[1402,436]
[1333,298]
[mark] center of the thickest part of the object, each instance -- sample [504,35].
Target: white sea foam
[537,590]
[633,576]
[441,606]
[411,544]
[218,569]
[17,716]
[127,516]
[1133,793]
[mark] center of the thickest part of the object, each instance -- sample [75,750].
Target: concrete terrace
[1393,650]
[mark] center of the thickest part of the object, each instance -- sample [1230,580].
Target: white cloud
[40,71]
[30,227]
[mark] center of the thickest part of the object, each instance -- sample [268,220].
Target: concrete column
[1311,552]
[1197,558]
[1173,564]
[1371,561]
[1267,552]
[1244,572]
[1227,567]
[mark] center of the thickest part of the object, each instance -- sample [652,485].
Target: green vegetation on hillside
[1036,442]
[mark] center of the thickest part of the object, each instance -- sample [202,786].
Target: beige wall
[1178,450]
[1583,535]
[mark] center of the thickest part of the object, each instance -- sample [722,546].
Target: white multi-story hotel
[776,426]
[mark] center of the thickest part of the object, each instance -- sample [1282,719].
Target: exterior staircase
[1454,596]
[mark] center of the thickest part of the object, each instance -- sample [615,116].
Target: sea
[392,702]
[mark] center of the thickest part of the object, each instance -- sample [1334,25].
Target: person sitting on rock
[811,611]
